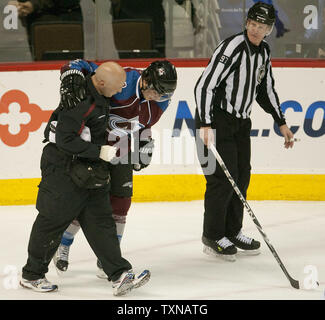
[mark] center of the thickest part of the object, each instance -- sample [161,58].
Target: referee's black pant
[59,202]
[223,210]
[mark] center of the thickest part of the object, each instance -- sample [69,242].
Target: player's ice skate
[222,248]
[61,259]
[246,245]
[39,285]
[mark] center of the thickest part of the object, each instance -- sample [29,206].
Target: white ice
[165,238]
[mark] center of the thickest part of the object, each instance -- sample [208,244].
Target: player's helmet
[161,76]
[263,13]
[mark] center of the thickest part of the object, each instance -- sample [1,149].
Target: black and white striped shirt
[237,74]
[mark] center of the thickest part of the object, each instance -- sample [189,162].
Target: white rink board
[303,85]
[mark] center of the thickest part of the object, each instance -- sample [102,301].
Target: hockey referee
[238,73]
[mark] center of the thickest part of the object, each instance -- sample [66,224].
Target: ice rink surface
[165,237]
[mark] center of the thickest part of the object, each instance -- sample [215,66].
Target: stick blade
[294,283]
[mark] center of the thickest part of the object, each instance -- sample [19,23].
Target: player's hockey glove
[72,89]
[145,154]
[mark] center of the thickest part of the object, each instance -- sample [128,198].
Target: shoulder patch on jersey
[223,59]
[261,73]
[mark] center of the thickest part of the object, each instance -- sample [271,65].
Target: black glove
[145,154]
[72,89]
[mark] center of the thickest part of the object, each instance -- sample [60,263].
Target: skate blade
[227,257]
[254,252]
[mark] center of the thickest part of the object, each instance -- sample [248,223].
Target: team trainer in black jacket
[68,189]
[238,73]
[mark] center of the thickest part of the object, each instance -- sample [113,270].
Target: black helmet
[262,12]
[161,75]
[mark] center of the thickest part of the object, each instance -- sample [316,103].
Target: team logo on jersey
[123,126]
[223,59]
[261,73]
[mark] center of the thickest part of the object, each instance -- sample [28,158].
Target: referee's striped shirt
[237,74]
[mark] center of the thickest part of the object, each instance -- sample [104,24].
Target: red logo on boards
[37,117]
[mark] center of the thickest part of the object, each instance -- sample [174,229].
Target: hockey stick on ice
[294,283]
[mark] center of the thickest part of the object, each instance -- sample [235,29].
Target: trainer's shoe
[249,245]
[223,248]
[123,284]
[141,279]
[128,281]
[138,279]
[61,258]
[100,272]
[39,285]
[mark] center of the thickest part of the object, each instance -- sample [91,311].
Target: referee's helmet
[263,13]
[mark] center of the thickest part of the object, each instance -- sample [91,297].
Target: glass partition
[40,30]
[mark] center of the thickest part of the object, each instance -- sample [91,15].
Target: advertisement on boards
[27,99]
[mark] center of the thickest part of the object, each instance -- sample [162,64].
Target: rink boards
[27,98]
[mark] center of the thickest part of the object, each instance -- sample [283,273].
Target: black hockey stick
[294,283]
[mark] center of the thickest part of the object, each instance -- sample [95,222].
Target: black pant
[59,202]
[223,215]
